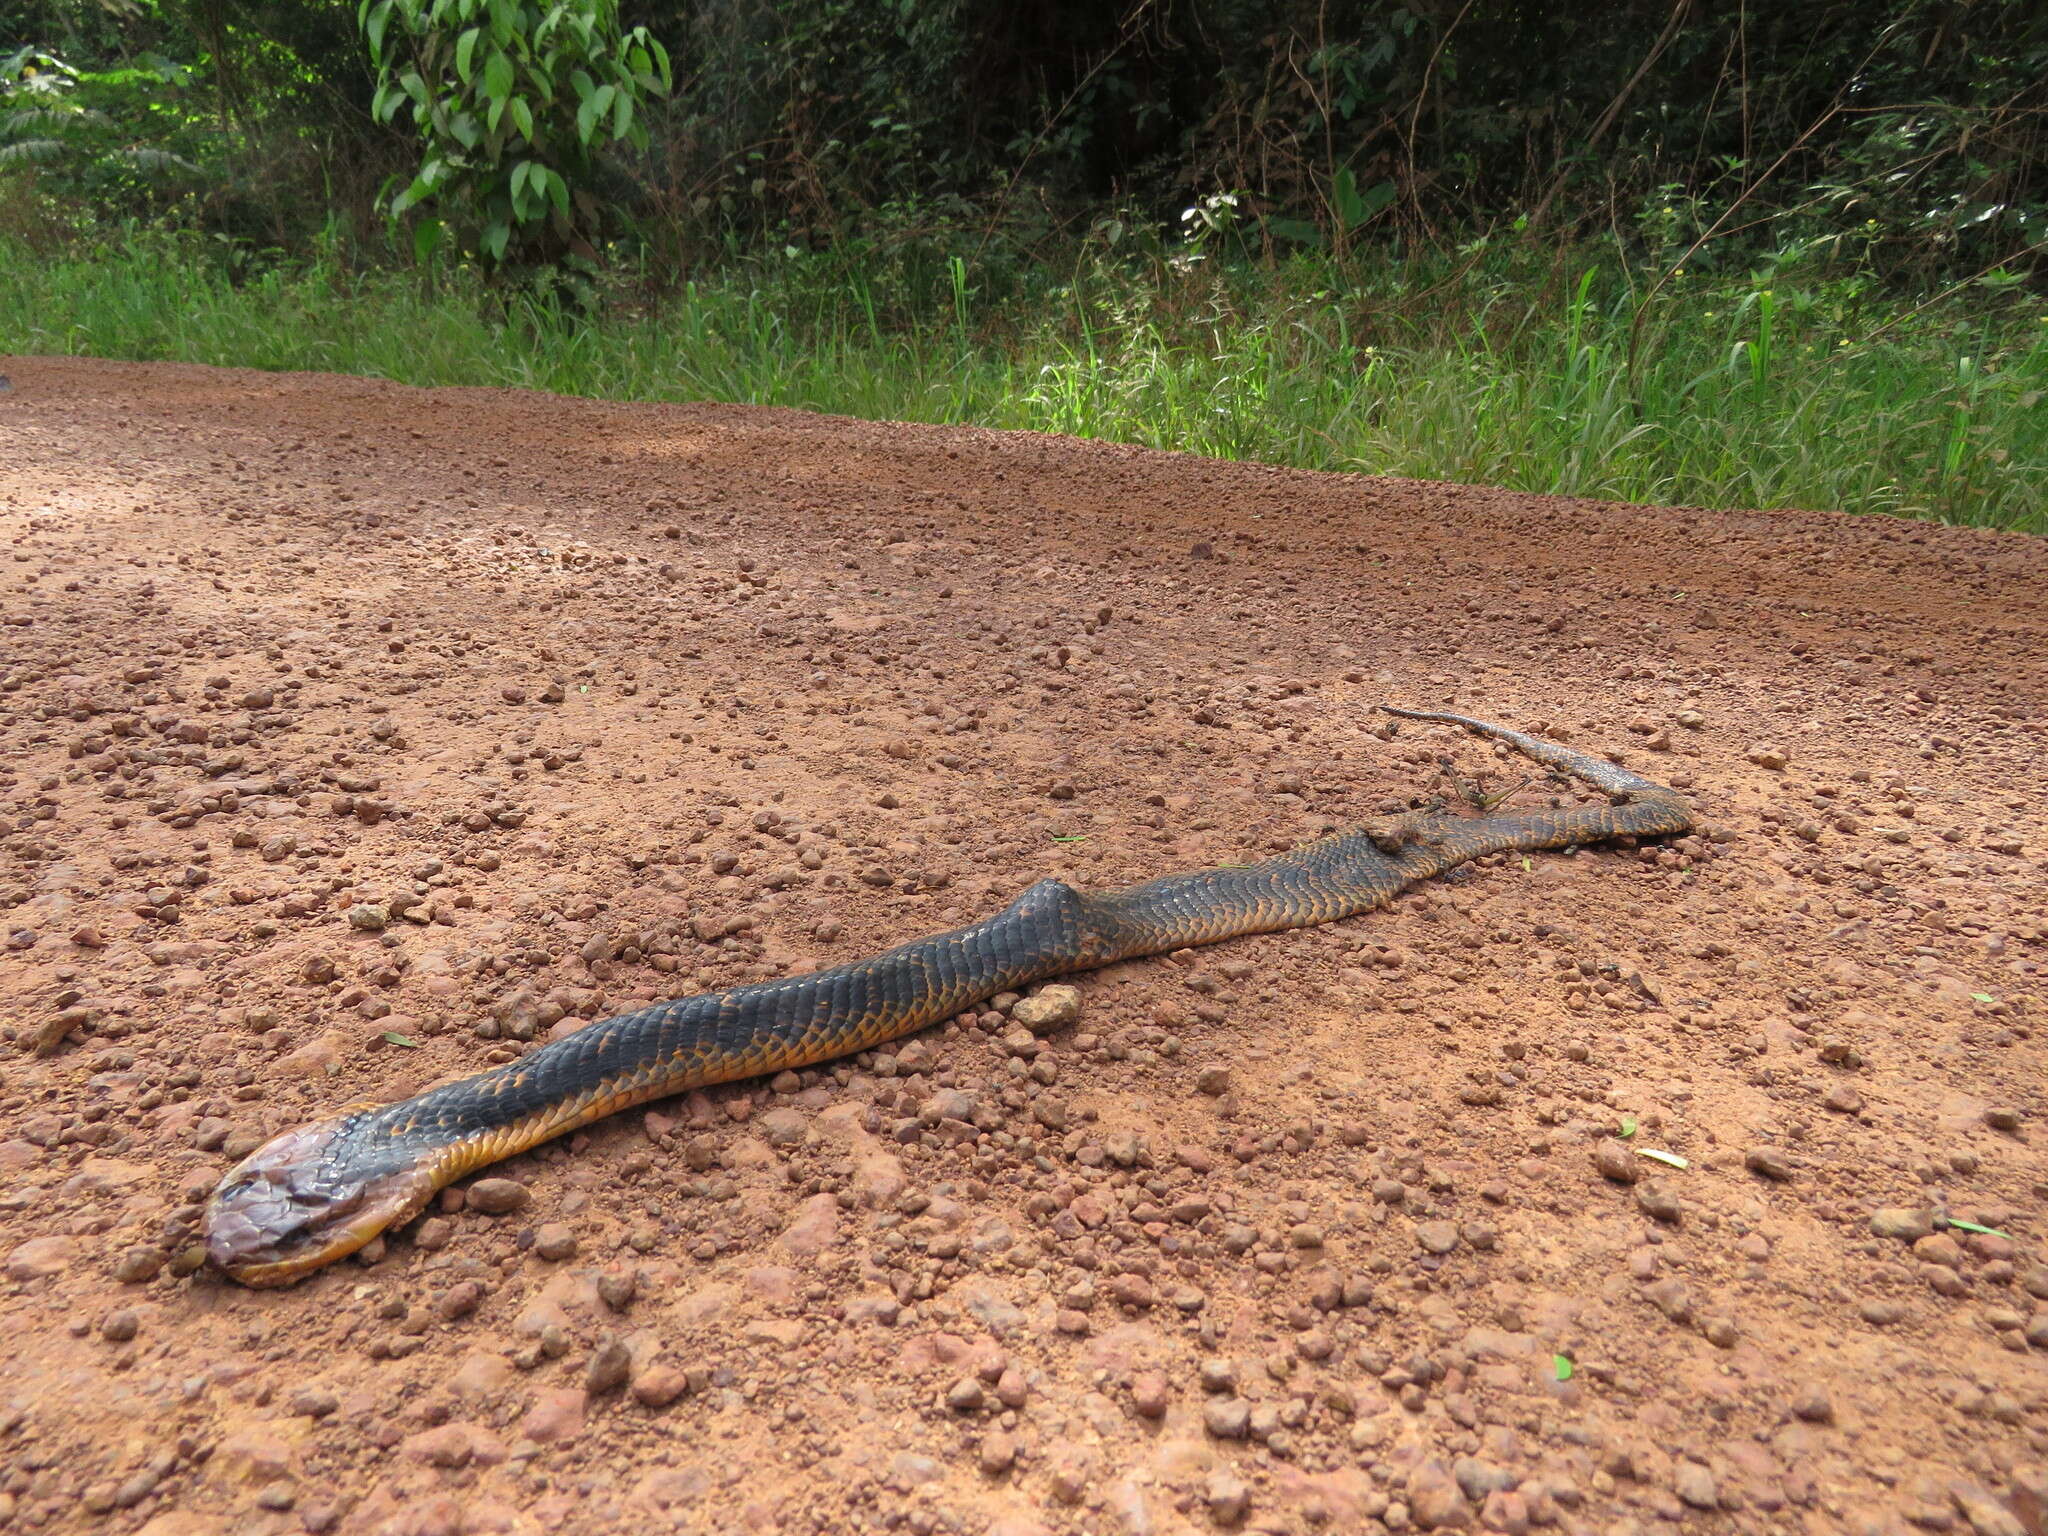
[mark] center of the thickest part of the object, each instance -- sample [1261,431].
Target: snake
[323,1190]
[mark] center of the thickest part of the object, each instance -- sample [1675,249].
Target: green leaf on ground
[393,1037]
[1971,1226]
[1671,1158]
[1561,1367]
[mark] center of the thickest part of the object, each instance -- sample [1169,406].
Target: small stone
[1048,1008]
[1150,1394]
[1214,1081]
[1695,1486]
[1843,1100]
[609,1366]
[1436,1236]
[1227,1418]
[1987,1514]
[1227,1496]
[498,1197]
[1616,1162]
[997,1452]
[1814,1405]
[659,1385]
[1435,1501]
[1901,1223]
[1765,755]
[368,917]
[1769,1163]
[554,1241]
[120,1326]
[139,1264]
[458,1301]
[2001,1117]
[1939,1248]
[314,1402]
[1658,1202]
[965,1395]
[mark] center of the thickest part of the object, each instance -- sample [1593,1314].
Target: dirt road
[357,736]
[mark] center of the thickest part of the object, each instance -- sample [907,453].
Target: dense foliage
[1910,136]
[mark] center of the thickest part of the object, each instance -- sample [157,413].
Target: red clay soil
[356,737]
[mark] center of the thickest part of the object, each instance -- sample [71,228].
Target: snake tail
[321,1191]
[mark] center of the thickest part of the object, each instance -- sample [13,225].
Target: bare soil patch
[595,704]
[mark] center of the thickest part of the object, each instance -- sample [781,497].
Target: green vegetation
[1497,367]
[1684,254]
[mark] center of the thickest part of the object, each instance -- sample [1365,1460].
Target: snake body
[323,1190]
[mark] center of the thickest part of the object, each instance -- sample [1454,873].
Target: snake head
[308,1197]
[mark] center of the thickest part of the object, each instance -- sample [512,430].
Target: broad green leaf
[1561,1367]
[465,53]
[558,191]
[622,115]
[522,117]
[1628,1126]
[498,77]
[379,22]
[426,238]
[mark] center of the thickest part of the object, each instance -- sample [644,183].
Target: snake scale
[323,1190]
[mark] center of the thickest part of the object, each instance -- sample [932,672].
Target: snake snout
[293,1205]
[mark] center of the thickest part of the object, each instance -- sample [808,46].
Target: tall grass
[1760,390]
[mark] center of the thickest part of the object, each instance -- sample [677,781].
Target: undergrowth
[1536,371]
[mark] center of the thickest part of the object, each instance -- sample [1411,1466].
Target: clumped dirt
[356,737]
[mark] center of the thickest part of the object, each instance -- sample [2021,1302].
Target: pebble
[1048,1009]
[1227,1418]
[1615,1161]
[997,1452]
[1150,1394]
[660,1384]
[608,1368]
[139,1264]
[1900,1222]
[1435,1501]
[1695,1486]
[1227,1496]
[554,1241]
[1814,1405]
[1769,1163]
[965,1395]
[497,1197]
[1437,1237]
[1658,1202]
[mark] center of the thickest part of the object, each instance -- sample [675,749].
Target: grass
[1764,389]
